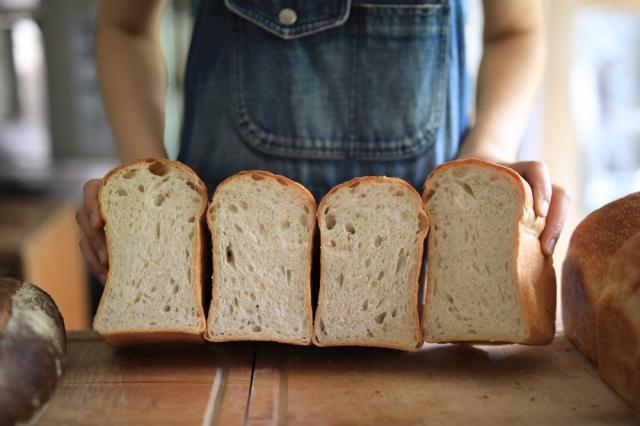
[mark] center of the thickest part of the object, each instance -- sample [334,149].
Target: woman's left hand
[549,200]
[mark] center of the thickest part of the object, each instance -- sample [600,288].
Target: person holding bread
[322,92]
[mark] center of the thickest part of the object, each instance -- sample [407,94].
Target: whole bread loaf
[32,349]
[584,271]
[154,224]
[487,279]
[601,293]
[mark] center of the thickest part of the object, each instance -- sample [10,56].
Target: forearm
[510,73]
[132,78]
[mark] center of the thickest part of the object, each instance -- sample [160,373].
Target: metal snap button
[287,16]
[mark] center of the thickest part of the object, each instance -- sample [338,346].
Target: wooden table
[270,384]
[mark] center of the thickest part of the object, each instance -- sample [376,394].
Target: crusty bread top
[123,168]
[599,236]
[262,174]
[528,219]
[352,183]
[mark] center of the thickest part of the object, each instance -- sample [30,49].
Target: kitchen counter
[271,384]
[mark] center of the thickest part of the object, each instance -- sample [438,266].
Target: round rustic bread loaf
[32,348]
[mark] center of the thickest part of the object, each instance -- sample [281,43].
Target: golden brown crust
[413,277]
[136,336]
[311,202]
[534,272]
[592,245]
[618,324]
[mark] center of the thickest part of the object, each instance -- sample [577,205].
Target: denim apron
[323,91]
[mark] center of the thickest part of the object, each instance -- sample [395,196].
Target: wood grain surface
[178,384]
[441,384]
[213,384]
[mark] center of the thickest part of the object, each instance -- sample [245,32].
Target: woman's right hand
[92,242]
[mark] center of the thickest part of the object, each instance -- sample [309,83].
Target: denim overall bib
[325,90]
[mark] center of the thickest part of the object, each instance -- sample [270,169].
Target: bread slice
[153,211]
[487,279]
[262,228]
[372,232]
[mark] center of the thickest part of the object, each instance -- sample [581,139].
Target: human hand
[549,200]
[92,241]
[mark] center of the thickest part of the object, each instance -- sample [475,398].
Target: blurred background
[54,135]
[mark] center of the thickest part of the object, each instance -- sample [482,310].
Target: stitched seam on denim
[397,6]
[273,144]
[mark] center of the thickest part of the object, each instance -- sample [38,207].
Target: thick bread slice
[618,323]
[262,228]
[593,243]
[372,232]
[153,211]
[487,279]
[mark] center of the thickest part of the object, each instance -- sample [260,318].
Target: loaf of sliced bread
[487,279]
[372,231]
[153,211]
[262,227]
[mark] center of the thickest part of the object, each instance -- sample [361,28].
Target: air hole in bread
[449,298]
[235,302]
[252,296]
[296,329]
[229,255]
[257,328]
[288,276]
[303,219]
[380,275]
[238,228]
[131,173]
[140,188]
[380,317]
[326,211]
[158,169]
[158,230]
[332,243]
[340,280]
[322,328]
[306,209]
[367,262]
[262,229]
[330,221]
[158,200]
[166,308]
[402,260]
[233,208]
[399,194]
[121,192]
[466,188]
[360,244]
[394,312]
[186,253]
[378,241]
[138,297]
[369,333]
[365,305]
[350,228]
[286,224]
[175,289]
[191,219]
[249,267]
